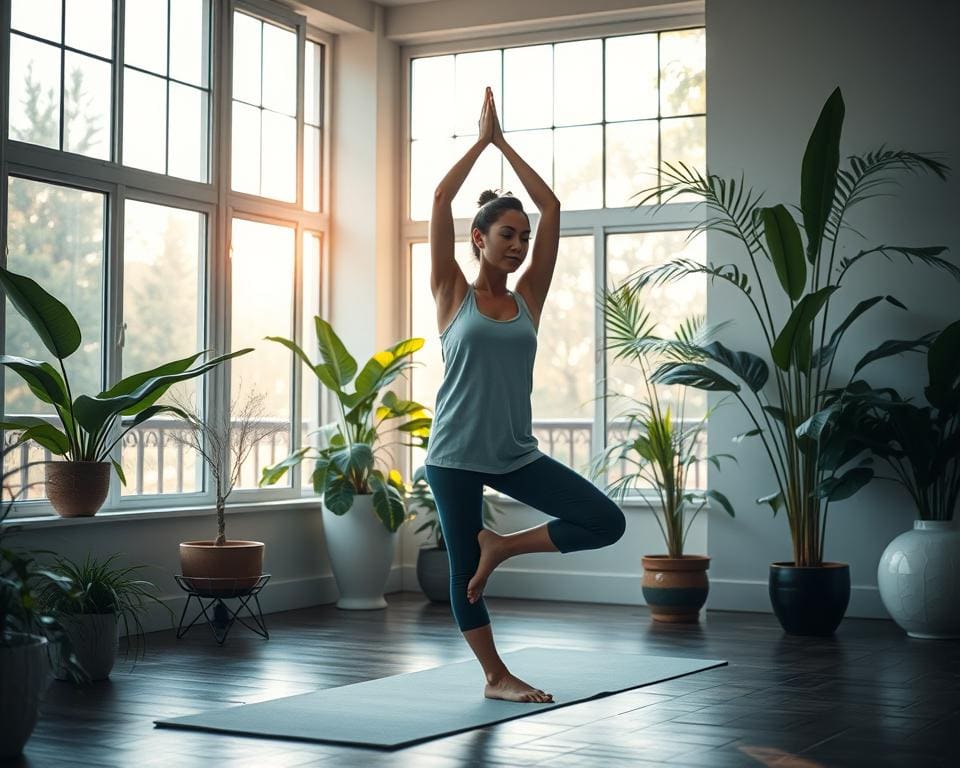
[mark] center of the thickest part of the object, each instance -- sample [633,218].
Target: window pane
[669,305]
[190,51]
[280,69]
[56,236]
[312,82]
[144,121]
[631,161]
[188,132]
[579,158]
[578,68]
[279,147]
[245,169]
[311,168]
[431,89]
[163,257]
[631,77]
[474,72]
[682,72]
[34,92]
[310,394]
[528,88]
[145,36]
[536,147]
[87,106]
[90,26]
[261,298]
[430,159]
[485,174]
[37,17]
[684,140]
[563,375]
[246,58]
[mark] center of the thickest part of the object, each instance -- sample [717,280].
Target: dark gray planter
[433,573]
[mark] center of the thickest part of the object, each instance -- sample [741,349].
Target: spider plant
[660,445]
[803,429]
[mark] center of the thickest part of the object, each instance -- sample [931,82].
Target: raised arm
[535,281]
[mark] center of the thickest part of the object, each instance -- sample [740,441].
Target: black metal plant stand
[210,593]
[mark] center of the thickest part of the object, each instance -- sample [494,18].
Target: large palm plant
[800,413]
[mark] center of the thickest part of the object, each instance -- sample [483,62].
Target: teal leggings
[586,518]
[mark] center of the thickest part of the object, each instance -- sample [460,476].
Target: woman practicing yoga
[482,432]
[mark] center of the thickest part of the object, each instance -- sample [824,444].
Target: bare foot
[492,553]
[510,688]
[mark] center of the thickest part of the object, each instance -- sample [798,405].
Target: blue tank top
[483,418]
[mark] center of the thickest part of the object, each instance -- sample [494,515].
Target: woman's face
[505,245]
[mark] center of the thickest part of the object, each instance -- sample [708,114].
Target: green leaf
[775,500]
[41,377]
[841,487]
[50,318]
[337,360]
[130,383]
[40,431]
[824,355]
[893,347]
[818,178]
[693,375]
[777,413]
[383,367]
[943,368]
[723,501]
[814,426]
[387,503]
[272,474]
[338,493]
[119,470]
[748,366]
[797,328]
[743,435]
[786,249]
[929,255]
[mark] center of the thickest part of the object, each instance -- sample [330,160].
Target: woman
[482,431]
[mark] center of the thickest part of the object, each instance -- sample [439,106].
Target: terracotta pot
[675,588]
[77,488]
[223,571]
[25,674]
[809,600]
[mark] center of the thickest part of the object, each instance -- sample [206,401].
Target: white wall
[770,67]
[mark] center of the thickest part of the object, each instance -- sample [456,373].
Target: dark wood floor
[870,696]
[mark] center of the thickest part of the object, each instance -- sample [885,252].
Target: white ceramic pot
[361,553]
[919,579]
[24,676]
[95,638]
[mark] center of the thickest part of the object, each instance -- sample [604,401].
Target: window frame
[598,222]
[214,198]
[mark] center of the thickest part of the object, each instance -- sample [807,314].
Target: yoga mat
[397,711]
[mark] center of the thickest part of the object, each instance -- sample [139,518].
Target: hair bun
[486,196]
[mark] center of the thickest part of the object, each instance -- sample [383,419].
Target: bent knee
[615,524]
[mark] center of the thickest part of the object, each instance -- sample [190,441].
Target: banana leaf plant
[345,459]
[660,447]
[88,425]
[921,443]
[798,412]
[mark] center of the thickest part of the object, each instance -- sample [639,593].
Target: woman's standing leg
[459,497]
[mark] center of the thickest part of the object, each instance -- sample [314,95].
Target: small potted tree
[661,451]
[223,441]
[90,426]
[102,597]
[433,565]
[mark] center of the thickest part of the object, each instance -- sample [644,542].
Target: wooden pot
[675,588]
[77,488]
[224,571]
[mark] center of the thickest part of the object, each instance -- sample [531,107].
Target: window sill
[160,513]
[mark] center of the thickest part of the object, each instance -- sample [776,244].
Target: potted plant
[89,430]
[793,413]
[433,565]
[222,567]
[363,505]
[660,449]
[102,596]
[27,633]
[919,571]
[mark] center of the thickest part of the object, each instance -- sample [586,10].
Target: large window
[597,118]
[164,177]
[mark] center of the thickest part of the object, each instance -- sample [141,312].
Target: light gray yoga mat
[405,709]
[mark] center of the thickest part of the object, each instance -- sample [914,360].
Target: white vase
[919,580]
[361,554]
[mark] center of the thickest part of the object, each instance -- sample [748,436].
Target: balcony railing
[156,463]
